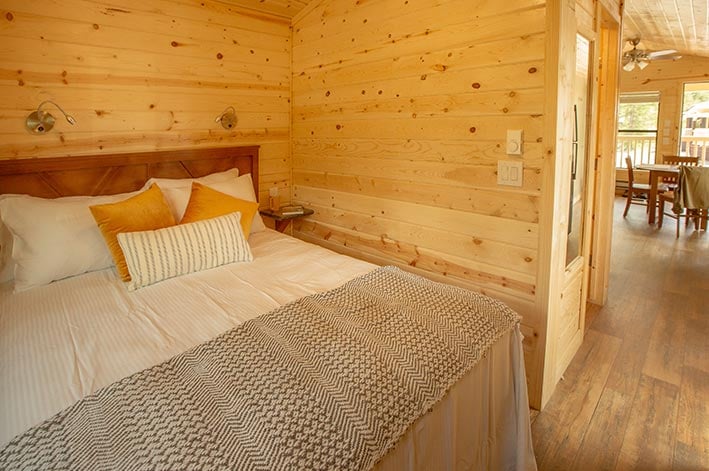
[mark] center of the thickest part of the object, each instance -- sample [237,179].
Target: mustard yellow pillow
[146,211]
[207,203]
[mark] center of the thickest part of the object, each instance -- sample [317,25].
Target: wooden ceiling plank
[669,24]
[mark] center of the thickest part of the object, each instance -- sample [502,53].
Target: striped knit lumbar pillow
[157,255]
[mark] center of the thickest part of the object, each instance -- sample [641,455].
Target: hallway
[636,395]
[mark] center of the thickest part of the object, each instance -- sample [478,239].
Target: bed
[65,343]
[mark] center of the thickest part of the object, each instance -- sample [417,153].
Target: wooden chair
[700,216]
[671,182]
[635,190]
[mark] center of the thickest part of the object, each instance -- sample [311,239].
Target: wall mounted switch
[509,172]
[514,142]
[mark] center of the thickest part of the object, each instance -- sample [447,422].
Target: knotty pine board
[399,117]
[140,76]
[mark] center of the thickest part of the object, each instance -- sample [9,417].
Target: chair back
[677,160]
[693,189]
[629,164]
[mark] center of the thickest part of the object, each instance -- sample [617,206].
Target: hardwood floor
[636,395]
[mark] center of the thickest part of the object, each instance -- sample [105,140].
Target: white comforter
[65,340]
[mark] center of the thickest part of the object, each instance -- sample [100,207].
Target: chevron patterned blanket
[331,381]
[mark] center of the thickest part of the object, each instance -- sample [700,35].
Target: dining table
[657,171]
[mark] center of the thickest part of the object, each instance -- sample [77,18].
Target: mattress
[65,340]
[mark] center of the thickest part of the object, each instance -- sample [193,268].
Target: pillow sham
[46,240]
[177,190]
[145,211]
[178,195]
[206,203]
[153,256]
[7,265]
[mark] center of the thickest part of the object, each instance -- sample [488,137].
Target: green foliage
[694,97]
[637,116]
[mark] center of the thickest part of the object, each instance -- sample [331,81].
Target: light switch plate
[509,172]
[514,142]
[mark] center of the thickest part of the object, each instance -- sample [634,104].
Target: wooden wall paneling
[329,17]
[412,34]
[399,117]
[284,8]
[517,206]
[467,55]
[137,79]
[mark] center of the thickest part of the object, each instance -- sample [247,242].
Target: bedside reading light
[41,122]
[227,118]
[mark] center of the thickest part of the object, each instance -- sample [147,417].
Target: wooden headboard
[108,174]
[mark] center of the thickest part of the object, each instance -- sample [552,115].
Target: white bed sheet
[65,340]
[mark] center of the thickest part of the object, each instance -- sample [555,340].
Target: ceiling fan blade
[668,53]
[673,57]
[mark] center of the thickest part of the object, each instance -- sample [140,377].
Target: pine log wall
[144,75]
[400,112]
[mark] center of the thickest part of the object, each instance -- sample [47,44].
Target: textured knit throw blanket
[331,381]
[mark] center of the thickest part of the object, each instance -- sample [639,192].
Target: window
[637,128]
[694,129]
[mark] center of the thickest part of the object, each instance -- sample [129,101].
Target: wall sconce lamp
[227,118]
[41,122]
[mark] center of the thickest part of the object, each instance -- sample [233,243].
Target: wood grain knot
[220,55]
[9,16]
[95,26]
[532,70]
[476,85]
[473,129]
[174,44]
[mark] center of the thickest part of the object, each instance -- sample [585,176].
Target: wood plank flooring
[636,395]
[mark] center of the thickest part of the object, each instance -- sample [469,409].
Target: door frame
[604,163]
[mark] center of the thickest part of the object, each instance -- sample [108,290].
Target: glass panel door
[694,140]
[579,149]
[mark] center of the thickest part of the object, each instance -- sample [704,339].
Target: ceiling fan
[641,58]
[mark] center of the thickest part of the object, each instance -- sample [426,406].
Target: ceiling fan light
[629,66]
[643,64]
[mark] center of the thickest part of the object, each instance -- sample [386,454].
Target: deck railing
[640,146]
[695,146]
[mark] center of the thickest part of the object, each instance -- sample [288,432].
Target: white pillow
[157,255]
[177,194]
[177,190]
[54,238]
[7,265]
